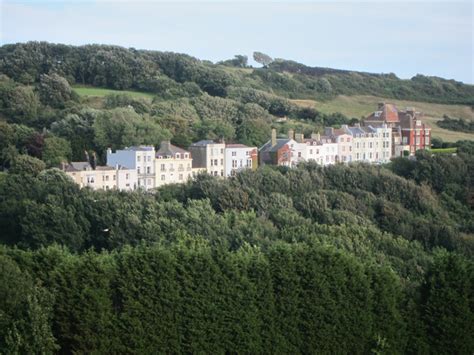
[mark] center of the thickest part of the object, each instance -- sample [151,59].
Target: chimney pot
[274,137]
[291,134]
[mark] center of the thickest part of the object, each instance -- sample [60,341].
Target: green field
[89,91]
[362,105]
[444,150]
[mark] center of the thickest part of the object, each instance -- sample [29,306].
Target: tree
[447,302]
[22,105]
[56,150]
[54,90]
[25,312]
[262,58]
[24,164]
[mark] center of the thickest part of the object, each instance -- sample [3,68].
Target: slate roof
[280,142]
[236,145]
[78,166]
[141,148]
[169,150]
[203,143]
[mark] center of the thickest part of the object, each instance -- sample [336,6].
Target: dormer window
[178,156]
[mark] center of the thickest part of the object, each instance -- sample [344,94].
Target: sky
[402,37]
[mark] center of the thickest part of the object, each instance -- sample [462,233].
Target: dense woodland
[342,259]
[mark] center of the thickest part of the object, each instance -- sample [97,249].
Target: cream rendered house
[173,165]
[102,177]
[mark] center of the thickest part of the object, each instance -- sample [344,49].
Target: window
[222,161]
[310,151]
[212,162]
[138,158]
[162,168]
[138,170]
[113,177]
[299,154]
[222,150]
[163,177]
[249,163]
[149,158]
[149,181]
[234,154]
[222,172]
[186,156]
[178,156]
[181,176]
[370,145]
[234,163]
[148,170]
[106,177]
[247,153]
[127,176]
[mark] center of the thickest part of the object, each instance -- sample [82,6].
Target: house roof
[280,142]
[169,149]
[145,148]
[387,113]
[236,145]
[203,143]
[78,166]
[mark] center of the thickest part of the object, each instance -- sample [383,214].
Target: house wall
[140,160]
[239,158]
[173,170]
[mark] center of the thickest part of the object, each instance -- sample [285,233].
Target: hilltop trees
[262,58]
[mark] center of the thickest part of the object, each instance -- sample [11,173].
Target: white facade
[344,148]
[239,157]
[140,158]
[209,155]
[371,145]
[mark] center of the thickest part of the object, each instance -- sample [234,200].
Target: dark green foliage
[454,124]
[341,259]
[448,304]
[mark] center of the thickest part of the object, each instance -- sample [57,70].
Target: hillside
[361,105]
[343,258]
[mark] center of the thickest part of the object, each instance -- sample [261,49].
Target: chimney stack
[94,160]
[316,136]
[165,145]
[329,131]
[299,137]
[274,137]
[291,134]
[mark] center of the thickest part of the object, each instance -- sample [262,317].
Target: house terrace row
[384,134]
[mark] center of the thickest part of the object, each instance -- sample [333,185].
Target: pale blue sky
[404,37]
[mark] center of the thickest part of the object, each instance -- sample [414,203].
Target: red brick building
[409,133]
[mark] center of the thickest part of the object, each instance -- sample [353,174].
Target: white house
[140,158]
[239,157]
[209,155]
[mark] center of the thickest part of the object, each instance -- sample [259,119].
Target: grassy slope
[352,106]
[362,105]
[100,92]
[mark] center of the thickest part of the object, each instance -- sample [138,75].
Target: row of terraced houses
[386,133]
